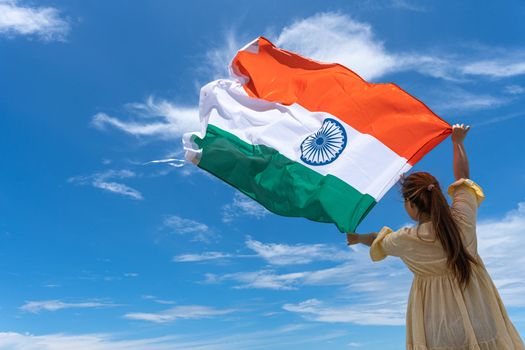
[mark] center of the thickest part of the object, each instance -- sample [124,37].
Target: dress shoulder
[389,242]
[466,197]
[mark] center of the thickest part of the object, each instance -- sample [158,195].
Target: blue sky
[101,248]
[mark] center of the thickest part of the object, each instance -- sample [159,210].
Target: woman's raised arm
[461,168]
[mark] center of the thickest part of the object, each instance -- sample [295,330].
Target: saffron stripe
[385,111]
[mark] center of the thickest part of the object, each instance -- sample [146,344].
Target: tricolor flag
[309,139]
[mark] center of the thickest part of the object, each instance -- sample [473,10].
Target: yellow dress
[440,315]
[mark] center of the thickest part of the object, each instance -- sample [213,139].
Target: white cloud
[357,314]
[102,181]
[514,89]
[500,244]
[275,253]
[201,257]
[457,99]
[55,305]
[218,58]
[360,283]
[154,118]
[408,5]
[198,231]
[510,65]
[333,37]
[288,335]
[264,279]
[187,312]
[242,206]
[43,22]
[284,254]
[498,119]
[119,188]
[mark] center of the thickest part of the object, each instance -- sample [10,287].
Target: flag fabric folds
[309,139]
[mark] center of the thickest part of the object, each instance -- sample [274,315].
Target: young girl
[453,303]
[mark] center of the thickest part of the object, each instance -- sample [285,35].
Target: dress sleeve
[466,197]
[388,242]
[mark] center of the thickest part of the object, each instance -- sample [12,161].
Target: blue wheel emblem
[325,145]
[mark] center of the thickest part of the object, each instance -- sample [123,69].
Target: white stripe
[365,164]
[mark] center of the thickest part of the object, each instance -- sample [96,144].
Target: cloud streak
[153,118]
[314,309]
[55,305]
[103,181]
[500,243]
[197,230]
[284,254]
[186,312]
[333,37]
[277,254]
[242,206]
[42,22]
[288,335]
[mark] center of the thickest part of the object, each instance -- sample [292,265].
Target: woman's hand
[459,132]
[460,163]
[352,238]
[366,238]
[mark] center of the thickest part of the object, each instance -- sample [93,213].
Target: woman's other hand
[366,238]
[460,163]
[352,238]
[459,132]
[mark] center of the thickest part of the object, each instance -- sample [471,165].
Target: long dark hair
[423,190]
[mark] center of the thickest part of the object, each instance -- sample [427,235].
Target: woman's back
[440,314]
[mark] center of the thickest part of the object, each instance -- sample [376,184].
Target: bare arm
[367,238]
[461,167]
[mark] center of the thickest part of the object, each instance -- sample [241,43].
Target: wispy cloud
[55,305]
[103,181]
[454,98]
[288,335]
[278,254]
[154,118]
[201,257]
[284,254]
[314,309]
[408,5]
[218,58]
[510,64]
[42,22]
[264,279]
[500,243]
[499,119]
[514,89]
[334,37]
[186,312]
[197,230]
[242,206]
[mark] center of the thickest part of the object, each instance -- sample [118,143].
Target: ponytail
[423,190]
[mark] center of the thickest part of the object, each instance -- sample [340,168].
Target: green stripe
[281,185]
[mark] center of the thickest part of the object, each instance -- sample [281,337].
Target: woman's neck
[424,218]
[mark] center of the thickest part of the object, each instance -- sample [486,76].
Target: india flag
[309,139]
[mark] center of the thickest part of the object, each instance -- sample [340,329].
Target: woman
[453,303]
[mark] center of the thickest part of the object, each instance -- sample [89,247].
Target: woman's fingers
[352,238]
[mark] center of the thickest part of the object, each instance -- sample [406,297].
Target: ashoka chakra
[325,145]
